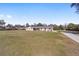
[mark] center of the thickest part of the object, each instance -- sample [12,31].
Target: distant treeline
[70,26]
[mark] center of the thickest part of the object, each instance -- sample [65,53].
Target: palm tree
[76,5]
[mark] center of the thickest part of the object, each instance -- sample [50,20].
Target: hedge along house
[39,28]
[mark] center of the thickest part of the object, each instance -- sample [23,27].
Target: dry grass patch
[36,43]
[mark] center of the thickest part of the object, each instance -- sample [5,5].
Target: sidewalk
[74,37]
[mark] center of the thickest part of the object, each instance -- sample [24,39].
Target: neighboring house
[2,27]
[14,28]
[39,28]
[20,28]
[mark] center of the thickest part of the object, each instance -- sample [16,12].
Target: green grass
[14,43]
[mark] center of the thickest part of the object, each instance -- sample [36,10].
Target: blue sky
[48,13]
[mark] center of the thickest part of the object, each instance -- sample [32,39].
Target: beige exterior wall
[29,29]
[40,29]
[49,30]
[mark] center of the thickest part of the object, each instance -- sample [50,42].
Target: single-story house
[2,27]
[39,28]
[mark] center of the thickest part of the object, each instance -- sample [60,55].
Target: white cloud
[1,16]
[25,17]
[8,16]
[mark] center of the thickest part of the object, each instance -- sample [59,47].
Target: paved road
[74,37]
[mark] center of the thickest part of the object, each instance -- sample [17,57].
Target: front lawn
[36,43]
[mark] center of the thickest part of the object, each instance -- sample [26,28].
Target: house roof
[41,26]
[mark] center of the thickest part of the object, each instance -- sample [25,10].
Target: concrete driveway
[72,36]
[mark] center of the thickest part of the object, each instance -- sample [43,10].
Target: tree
[9,26]
[39,24]
[77,27]
[27,25]
[55,27]
[76,5]
[71,26]
[61,27]
[2,24]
